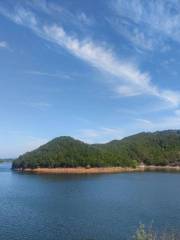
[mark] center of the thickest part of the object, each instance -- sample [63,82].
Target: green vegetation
[148,234]
[158,148]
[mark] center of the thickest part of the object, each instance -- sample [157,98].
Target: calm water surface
[86,207]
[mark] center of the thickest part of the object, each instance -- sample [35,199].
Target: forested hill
[158,148]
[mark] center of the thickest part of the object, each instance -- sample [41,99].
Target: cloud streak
[100,135]
[147,24]
[38,105]
[53,10]
[103,58]
[128,81]
[164,123]
[3,44]
[48,74]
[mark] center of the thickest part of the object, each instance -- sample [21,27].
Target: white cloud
[139,38]
[100,135]
[84,19]
[144,123]
[40,73]
[21,16]
[104,59]
[3,44]
[161,123]
[79,20]
[38,105]
[127,91]
[129,80]
[147,24]
[133,126]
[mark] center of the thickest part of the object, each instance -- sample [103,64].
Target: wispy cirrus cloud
[48,74]
[37,105]
[129,79]
[141,39]
[3,44]
[145,123]
[78,19]
[135,125]
[20,15]
[147,24]
[162,123]
[84,19]
[100,135]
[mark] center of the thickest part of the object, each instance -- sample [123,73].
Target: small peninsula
[143,151]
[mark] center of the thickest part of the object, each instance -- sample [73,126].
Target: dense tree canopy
[158,148]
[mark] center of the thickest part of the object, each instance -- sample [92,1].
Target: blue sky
[94,70]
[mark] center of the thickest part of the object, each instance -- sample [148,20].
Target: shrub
[143,233]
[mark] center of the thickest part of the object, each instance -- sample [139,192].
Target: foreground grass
[148,234]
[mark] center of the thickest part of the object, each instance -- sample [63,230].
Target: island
[139,152]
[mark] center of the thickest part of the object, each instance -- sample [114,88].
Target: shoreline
[98,170]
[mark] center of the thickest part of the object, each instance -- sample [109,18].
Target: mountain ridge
[150,148]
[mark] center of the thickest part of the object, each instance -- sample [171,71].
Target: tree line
[158,148]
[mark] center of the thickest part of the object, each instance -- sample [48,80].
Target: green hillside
[158,148]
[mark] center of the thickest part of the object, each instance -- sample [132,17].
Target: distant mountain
[158,148]
[6,160]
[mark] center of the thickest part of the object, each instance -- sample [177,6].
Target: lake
[86,207]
